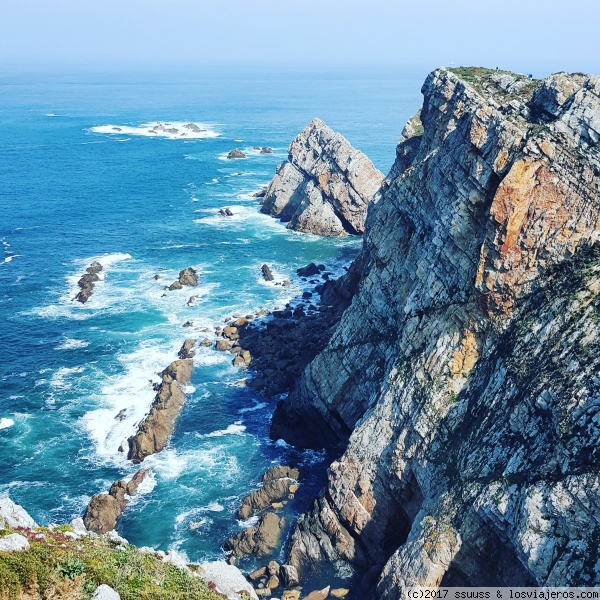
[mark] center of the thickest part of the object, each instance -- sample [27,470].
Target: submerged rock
[155,430]
[325,185]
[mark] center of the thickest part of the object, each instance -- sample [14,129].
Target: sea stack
[462,378]
[325,185]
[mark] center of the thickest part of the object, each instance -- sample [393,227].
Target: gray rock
[289,575]
[228,580]
[266,272]
[236,153]
[79,526]
[14,515]
[105,592]
[13,542]
[325,185]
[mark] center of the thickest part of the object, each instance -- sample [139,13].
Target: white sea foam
[249,522]
[236,429]
[169,130]
[9,258]
[5,423]
[72,344]
[131,392]
[147,485]
[257,406]
[63,378]
[51,115]
[211,507]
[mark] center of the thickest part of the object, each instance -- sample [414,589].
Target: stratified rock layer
[155,430]
[325,185]
[463,375]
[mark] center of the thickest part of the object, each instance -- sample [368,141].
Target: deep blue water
[145,205]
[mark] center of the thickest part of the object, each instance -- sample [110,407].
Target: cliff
[325,185]
[463,376]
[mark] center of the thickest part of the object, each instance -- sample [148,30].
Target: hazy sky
[525,35]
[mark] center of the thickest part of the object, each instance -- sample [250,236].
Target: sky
[522,35]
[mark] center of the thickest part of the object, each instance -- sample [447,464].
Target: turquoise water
[142,205]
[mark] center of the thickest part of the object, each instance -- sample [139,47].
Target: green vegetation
[483,81]
[57,566]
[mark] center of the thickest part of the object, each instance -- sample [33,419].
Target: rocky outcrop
[236,153]
[155,430]
[325,185]
[12,515]
[187,277]
[103,510]
[281,347]
[87,282]
[266,273]
[462,377]
[186,350]
[277,484]
[258,540]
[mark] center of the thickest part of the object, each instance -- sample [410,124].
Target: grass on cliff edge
[58,566]
[481,79]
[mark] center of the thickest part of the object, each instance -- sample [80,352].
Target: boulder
[340,592]
[175,286]
[225,212]
[266,150]
[15,515]
[308,271]
[206,343]
[13,543]
[186,349]
[319,594]
[105,592]
[266,272]
[235,153]
[104,509]
[102,513]
[228,580]
[260,194]
[223,344]
[188,277]
[289,575]
[78,526]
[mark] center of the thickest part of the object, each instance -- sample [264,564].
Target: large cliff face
[463,376]
[325,185]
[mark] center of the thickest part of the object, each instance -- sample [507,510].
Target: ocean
[81,179]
